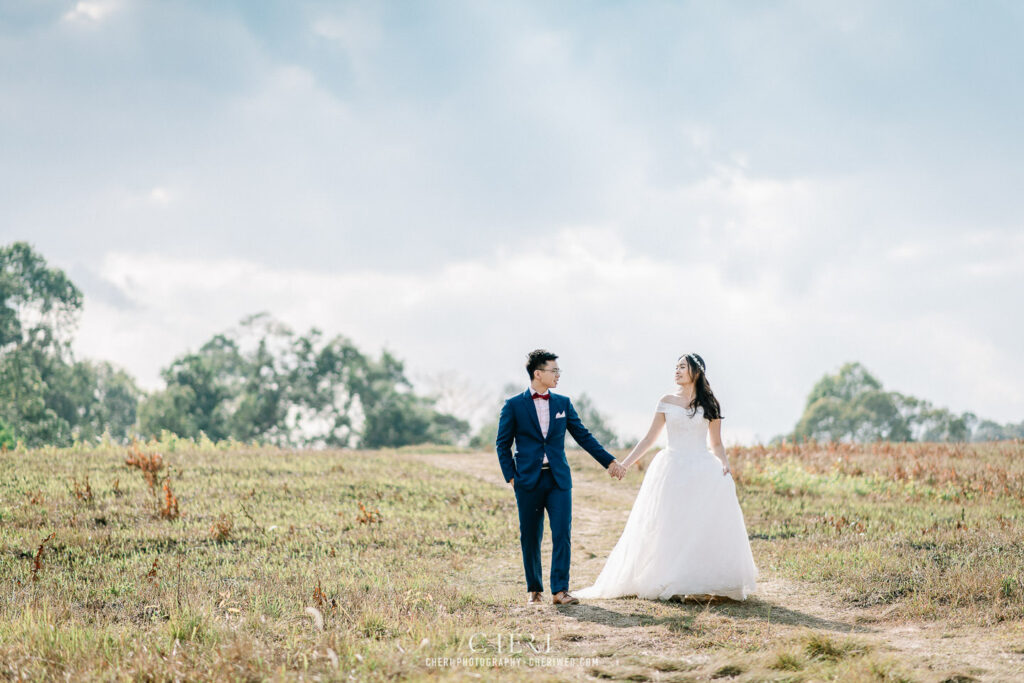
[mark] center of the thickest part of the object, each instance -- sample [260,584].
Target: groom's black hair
[536,359]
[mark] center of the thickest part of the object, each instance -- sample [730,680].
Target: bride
[685,534]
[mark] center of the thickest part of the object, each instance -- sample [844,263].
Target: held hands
[616,470]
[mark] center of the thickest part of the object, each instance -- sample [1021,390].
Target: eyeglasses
[557,371]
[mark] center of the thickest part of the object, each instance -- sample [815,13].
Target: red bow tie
[546,397]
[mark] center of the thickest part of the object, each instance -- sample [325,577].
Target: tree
[23,393]
[852,406]
[263,382]
[46,396]
[196,400]
[595,422]
[400,419]
[38,306]
[487,435]
[117,396]
[6,437]
[939,424]
[172,409]
[987,430]
[592,419]
[851,381]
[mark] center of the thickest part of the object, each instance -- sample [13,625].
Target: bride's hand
[615,470]
[726,470]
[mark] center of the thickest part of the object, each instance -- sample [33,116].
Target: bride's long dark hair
[703,396]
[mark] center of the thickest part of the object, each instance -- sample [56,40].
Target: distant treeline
[263,382]
[852,406]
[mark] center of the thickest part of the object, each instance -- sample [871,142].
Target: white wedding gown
[685,534]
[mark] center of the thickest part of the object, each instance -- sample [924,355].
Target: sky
[781,187]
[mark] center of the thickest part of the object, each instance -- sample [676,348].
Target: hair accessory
[696,361]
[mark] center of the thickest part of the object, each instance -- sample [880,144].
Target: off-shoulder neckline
[672,403]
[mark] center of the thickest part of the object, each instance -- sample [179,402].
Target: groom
[539,473]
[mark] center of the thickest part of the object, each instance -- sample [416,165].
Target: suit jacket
[518,422]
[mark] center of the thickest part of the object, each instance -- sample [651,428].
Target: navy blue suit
[549,490]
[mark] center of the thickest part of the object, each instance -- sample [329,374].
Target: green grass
[379,545]
[933,531]
[121,589]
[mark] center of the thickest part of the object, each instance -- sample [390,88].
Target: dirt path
[654,640]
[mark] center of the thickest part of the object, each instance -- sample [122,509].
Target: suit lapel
[532,410]
[551,414]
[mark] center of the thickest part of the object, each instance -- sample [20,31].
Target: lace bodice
[685,433]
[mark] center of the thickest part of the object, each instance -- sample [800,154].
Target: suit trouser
[558,502]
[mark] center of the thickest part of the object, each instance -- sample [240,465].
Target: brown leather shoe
[563,598]
[535,598]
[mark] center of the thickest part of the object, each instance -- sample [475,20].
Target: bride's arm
[645,443]
[715,432]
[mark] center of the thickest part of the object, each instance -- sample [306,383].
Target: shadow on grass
[752,609]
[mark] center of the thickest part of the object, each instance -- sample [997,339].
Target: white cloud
[357,33]
[160,195]
[91,11]
[619,319]
[749,185]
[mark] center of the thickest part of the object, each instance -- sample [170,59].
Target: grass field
[188,561]
[931,530]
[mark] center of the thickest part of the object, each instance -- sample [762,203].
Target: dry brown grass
[401,562]
[368,516]
[962,471]
[220,529]
[82,491]
[169,509]
[149,464]
[37,560]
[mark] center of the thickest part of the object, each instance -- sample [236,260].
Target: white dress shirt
[543,416]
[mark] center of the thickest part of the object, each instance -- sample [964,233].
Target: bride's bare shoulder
[670,398]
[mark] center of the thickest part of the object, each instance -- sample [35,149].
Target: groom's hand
[616,470]
[512,482]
